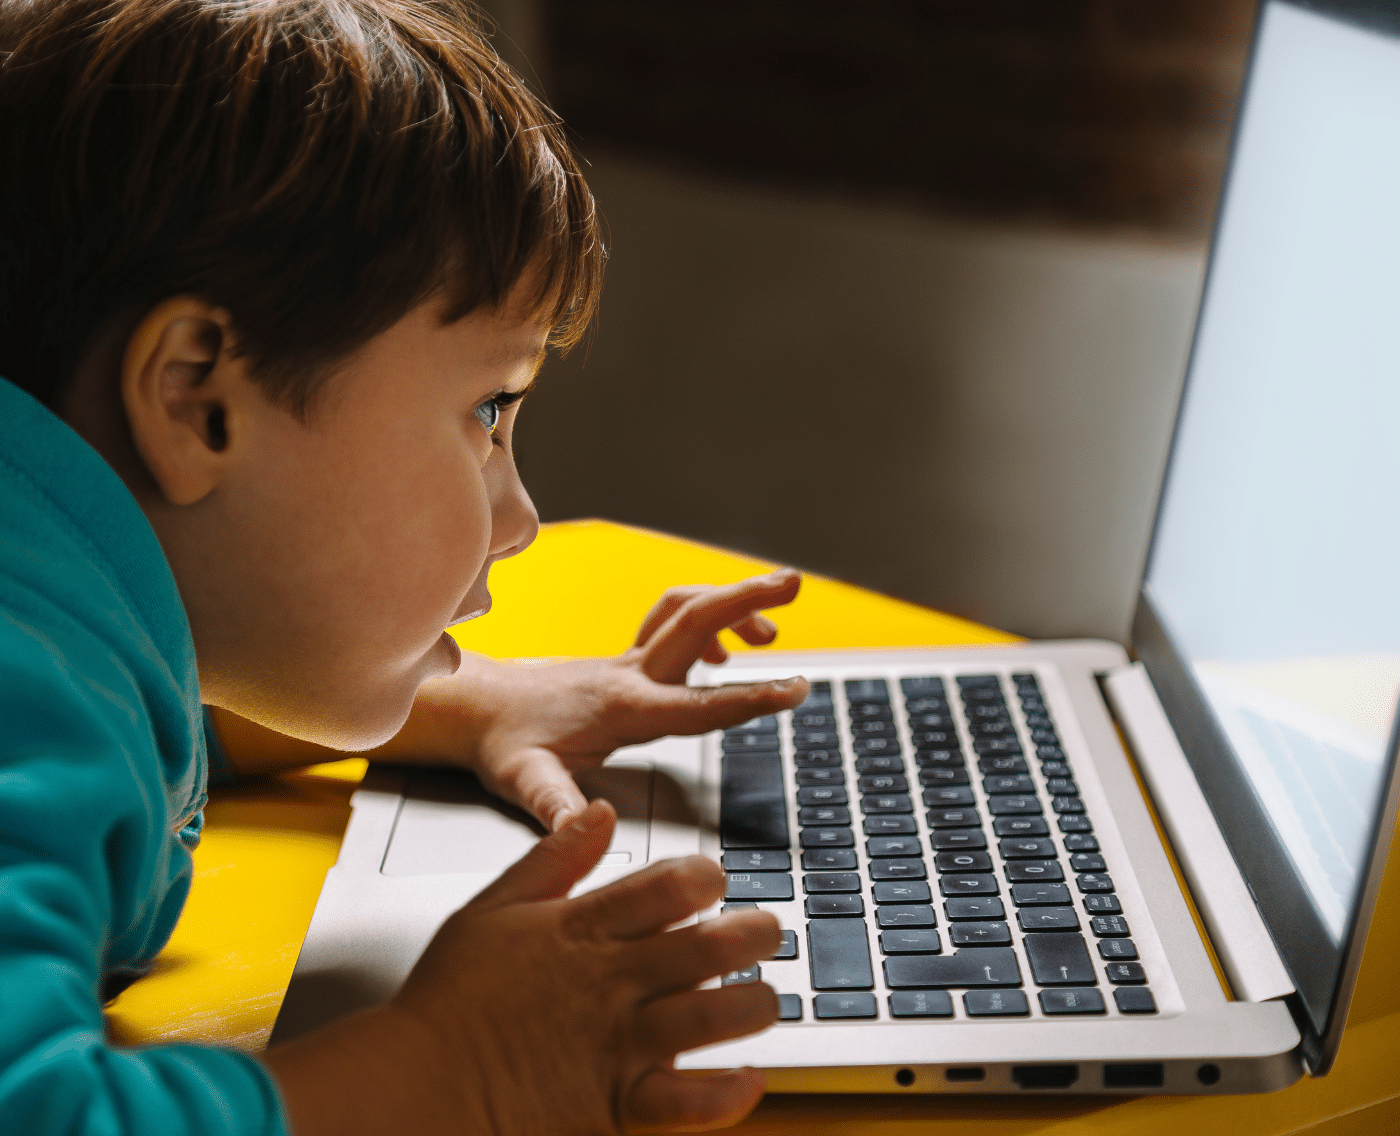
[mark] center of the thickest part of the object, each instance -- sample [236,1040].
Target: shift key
[839,953]
[975,966]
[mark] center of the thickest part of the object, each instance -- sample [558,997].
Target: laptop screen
[1274,575]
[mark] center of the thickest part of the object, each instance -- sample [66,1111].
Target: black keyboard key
[1135,1000]
[839,954]
[819,692]
[1117,949]
[1102,905]
[875,747]
[979,682]
[1081,842]
[1087,862]
[750,743]
[740,977]
[904,917]
[1125,973]
[995,1004]
[854,1005]
[983,746]
[827,838]
[1072,822]
[967,885]
[1093,881]
[912,941]
[1059,960]
[873,727]
[1061,786]
[890,763]
[994,934]
[891,868]
[1049,753]
[1047,919]
[1054,769]
[1109,926]
[739,906]
[789,1007]
[818,759]
[939,758]
[867,690]
[810,721]
[821,795]
[788,948]
[1002,765]
[889,824]
[816,739]
[921,1004]
[1078,1001]
[752,808]
[949,796]
[823,883]
[934,739]
[1013,806]
[981,966]
[950,839]
[824,815]
[1044,736]
[768,724]
[822,776]
[954,818]
[943,722]
[1018,783]
[1067,805]
[974,907]
[1040,895]
[1031,871]
[757,861]
[758,885]
[883,783]
[820,906]
[1020,826]
[1026,848]
[917,686]
[874,803]
[900,891]
[928,704]
[893,846]
[962,862]
[829,860]
[943,775]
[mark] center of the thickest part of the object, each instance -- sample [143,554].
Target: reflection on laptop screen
[1276,560]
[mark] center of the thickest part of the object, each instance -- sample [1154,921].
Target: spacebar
[752,809]
[976,966]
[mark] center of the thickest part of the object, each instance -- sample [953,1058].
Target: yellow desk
[582,590]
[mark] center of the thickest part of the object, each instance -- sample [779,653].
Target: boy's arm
[527,730]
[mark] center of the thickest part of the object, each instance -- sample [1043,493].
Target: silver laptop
[981,890]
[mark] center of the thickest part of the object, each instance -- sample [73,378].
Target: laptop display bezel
[1323,969]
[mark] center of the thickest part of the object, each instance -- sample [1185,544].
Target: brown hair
[315,167]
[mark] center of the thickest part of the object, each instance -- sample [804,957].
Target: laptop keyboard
[978,879]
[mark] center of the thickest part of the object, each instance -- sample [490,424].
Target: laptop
[1058,867]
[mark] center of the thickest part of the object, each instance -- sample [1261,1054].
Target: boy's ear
[178,388]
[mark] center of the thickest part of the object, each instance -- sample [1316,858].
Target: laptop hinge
[1237,932]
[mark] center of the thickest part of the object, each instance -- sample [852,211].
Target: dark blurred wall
[898,292]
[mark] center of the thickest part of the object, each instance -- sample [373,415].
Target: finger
[699,709]
[756,630]
[662,610]
[659,895]
[537,781]
[673,649]
[687,956]
[714,653]
[667,1101]
[557,862]
[686,1021]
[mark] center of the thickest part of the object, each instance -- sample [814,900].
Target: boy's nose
[514,521]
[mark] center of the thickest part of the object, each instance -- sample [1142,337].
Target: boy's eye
[488,414]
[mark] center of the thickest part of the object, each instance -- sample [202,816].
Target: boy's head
[274,259]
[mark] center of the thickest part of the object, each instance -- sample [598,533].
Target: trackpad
[449,825]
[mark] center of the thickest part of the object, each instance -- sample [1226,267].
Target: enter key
[1059,960]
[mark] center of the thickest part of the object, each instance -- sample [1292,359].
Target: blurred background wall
[899,291]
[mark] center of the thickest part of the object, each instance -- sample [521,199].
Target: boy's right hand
[535,1013]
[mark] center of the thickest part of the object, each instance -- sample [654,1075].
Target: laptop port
[966,1073]
[1045,1076]
[1144,1076]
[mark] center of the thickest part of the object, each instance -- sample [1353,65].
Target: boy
[274,277]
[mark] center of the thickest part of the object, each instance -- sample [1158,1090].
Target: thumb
[557,862]
[537,780]
[665,1100]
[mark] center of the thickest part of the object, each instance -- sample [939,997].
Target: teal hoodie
[103,766]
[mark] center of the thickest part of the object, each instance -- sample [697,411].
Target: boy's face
[321,560]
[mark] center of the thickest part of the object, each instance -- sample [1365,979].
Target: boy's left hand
[525,731]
